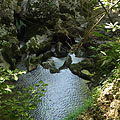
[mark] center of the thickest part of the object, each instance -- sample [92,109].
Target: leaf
[15,77]
[22,72]
[45,84]
[103,53]
[37,85]
[106,62]
[8,89]
[99,34]
[9,71]
[2,79]
[108,30]
[86,72]
[40,81]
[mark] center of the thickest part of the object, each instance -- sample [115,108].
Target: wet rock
[54,70]
[38,44]
[48,64]
[86,64]
[67,62]
[61,50]
[32,67]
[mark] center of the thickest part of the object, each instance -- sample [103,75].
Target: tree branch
[106,11]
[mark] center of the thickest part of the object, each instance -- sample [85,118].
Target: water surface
[65,93]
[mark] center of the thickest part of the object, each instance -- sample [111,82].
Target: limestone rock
[3,63]
[9,43]
[35,10]
[84,65]
[38,44]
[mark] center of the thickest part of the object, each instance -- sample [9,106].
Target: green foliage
[112,54]
[102,32]
[107,4]
[86,72]
[6,76]
[109,53]
[15,104]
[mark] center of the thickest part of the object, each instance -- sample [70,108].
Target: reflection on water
[65,92]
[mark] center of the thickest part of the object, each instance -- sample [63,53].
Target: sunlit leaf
[15,77]
[103,53]
[99,34]
[86,72]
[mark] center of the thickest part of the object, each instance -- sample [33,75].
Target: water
[58,61]
[65,93]
[75,59]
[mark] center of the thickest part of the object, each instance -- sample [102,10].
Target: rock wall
[9,44]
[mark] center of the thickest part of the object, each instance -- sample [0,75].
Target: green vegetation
[108,62]
[15,104]
[71,19]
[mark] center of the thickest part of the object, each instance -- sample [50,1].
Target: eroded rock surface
[9,43]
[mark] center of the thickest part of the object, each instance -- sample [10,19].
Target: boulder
[67,62]
[48,64]
[87,65]
[7,8]
[54,70]
[3,62]
[38,10]
[9,43]
[61,50]
[38,44]
[56,15]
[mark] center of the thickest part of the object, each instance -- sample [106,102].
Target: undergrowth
[16,104]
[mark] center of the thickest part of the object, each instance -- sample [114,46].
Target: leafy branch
[92,28]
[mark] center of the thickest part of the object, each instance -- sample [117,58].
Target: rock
[39,10]
[48,64]
[32,61]
[61,50]
[47,55]
[10,47]
[38,44]
[84,65]
[58,16]
[67,62]
[32,67]
[8,33]
[3,62]
[54,70]
[7,8]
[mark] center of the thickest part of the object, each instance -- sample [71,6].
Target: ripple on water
[65,92]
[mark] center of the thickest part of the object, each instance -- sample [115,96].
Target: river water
[65,93]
